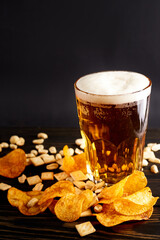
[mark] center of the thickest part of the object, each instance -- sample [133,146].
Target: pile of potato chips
[129,199]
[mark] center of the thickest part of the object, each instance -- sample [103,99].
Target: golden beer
[113,126]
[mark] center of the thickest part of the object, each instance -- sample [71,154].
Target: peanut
[42,135]
[38,141]
[154,169]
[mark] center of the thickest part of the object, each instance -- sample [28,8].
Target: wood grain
[14,225]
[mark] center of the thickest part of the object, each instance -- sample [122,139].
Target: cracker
[48,158]
[47,176]
[38,187]
[22,178]
[85,228]
[34,180]
[37,161]
[78,176]
[79,184]
[61,176]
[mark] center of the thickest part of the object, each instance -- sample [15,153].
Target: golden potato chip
[109,217]
[80,162]
[15,196]
[57,190]
[88,198]
[77,162]
[69,207]
[68,161]
[135,182]
[136,203]
[29,211]
[21,199]
[52,205]
[114,191]
[13,164]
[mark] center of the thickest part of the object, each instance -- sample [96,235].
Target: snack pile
[74,195]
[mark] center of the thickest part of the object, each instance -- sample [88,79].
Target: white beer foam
[113,87]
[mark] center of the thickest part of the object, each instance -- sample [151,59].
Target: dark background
[46,45]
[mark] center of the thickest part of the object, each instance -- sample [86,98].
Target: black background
[47,45]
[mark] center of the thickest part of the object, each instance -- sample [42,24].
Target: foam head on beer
[113,87]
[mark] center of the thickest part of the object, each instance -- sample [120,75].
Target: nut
[79,141]
[38,141]
[154,160]
[154,169]
[53,150]
[13,139]
[144,163]
[71,151]
[42,135]
[52,166]
[58,156]
[13,146]
[39,146]
[98,208]
[34,152]
[156,147]
[30,155]
[78,151]
[4,145]
[20,141]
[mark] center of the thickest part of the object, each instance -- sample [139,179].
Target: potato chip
[88,198]
[13,164]
[77,162]
[15,196]
[57,190]
[80,162]
[135,182]
[135,203]
[114,191]
[109,217]
[52,205]
[69,207]
[68,161]
[22,199]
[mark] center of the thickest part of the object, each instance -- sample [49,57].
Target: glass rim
[113,95]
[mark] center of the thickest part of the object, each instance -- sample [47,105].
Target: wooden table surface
[14,225]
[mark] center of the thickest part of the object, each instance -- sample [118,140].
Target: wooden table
[14,225]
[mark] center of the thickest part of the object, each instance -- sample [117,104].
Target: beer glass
[113,114]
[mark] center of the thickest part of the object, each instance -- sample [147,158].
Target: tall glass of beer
[113,114]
